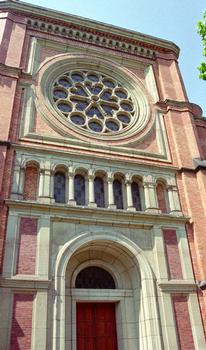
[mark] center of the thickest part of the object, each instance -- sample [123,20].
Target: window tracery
[93,101]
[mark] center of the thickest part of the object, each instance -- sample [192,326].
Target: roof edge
[35,10]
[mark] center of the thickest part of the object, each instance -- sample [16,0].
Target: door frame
[125,313]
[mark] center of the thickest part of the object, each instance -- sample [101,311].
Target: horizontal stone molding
[22,283]
[178,286]
[107,216]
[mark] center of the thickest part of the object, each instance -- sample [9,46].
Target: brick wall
[26,260]
[30,183]
[172,254]
[183,325]
[21,328]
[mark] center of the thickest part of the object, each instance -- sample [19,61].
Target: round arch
[149,318]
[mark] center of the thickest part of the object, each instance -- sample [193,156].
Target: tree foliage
[201,28]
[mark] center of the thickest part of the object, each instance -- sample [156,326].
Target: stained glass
[60,94]
[99,192]
[59,187]
[95,278]
[136,196]
[95,126]
[117,189]
[77,119]
[79,189]
[123,118]
[112,125]
[64,107]
[65,82]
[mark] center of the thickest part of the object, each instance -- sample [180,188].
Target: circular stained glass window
[93,101]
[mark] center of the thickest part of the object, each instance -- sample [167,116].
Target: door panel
[96,326]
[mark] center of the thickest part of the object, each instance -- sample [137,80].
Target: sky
[174,20]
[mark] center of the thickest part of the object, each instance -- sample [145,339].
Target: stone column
[130,206]
[18,182]
[91,191]
[71,200]
[111,204]
[151,203]
[44,194]
[173,198]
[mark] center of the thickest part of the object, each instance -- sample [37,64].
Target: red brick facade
[169,152]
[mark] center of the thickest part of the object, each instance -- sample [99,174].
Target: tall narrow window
[117,188]
[30,182]
[99,192]
[136,196]
[59,187]
[162,197]
[79,189]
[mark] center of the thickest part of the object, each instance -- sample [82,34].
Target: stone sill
[61,212]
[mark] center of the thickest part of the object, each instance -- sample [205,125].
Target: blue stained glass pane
[117,189]
[108,109]
[59,94]
[64,107]
[112,125]
[93,77]
[81,106]
[136,196]
[95,126]
[77,119]
[121,94]
[109,83]
[80,91]
[124,118]
[59,187]
[79,189]
[65,82]
[77,77]
[106,96]
[99,192]
[126,106]
[94,111]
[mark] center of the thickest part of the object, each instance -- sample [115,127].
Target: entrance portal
[96,326]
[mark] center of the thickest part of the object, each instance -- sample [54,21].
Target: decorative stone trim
[24,284]
[178,286]
[95,38]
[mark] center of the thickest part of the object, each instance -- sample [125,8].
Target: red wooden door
[96,326]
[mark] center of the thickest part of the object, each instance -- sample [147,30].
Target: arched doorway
[136,326]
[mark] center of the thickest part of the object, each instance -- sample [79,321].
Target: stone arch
[149,317]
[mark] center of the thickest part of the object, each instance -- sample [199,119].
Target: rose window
[93,101]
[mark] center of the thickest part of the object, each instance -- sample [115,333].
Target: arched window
[79,189]
[117,189]
[99,192]
[162,197]
[59,187]
[31,182]
[136,196]
[95,278]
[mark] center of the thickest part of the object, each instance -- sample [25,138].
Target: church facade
[102,188]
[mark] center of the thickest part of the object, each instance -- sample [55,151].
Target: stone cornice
[180,106]
[21,282]
[13,72]
[94,216]
[88,28]
[178,286]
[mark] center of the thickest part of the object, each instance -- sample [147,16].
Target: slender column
[174,203]
[91,192]
[111,204]
[18,182]
[151,204]
[71,200]
[130,206]
[44,194]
